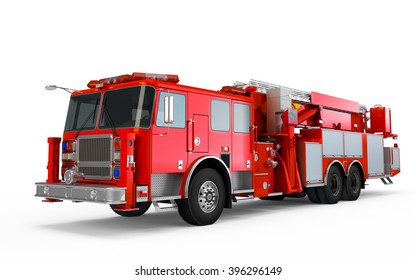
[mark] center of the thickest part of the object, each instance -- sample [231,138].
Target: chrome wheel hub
[208,196]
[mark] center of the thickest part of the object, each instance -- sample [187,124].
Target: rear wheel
[206,199]
[312,195]
[142,208]
[352,188]
[332,192]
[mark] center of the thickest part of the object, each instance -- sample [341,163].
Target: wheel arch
[337,164]
[213,163]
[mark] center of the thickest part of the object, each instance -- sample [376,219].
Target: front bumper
[82,192]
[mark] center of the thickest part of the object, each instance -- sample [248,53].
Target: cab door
[169,151]
[241,153]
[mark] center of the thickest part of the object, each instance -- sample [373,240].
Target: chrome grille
[94,149]
[95,171]
[94,155]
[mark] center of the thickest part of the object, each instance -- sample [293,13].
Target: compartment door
[200,136]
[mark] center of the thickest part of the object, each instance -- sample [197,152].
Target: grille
[94,149]
[94,155]
[95,171]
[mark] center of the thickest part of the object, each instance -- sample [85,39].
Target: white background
[359,50]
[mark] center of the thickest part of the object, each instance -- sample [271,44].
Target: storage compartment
[353,145]
[309,158]
[333,143]
[380,120]
[391,161]
[375,155]
[263,172]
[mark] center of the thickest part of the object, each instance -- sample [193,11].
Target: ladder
[295,94]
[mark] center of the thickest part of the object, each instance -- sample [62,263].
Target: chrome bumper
[82,192]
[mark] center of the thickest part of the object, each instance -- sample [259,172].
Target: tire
[331,193]
[143,207]
[274,197]
[353,184]
[312,195]
[297,195]
[206,199]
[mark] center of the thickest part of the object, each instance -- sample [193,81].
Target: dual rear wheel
[338,187]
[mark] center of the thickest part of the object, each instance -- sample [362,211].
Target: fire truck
[135,140]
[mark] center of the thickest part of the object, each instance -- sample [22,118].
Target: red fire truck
[133,140]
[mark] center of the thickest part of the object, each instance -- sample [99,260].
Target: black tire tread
[324,193]
[347,192]
[312,195]
[189,210]
[144,206]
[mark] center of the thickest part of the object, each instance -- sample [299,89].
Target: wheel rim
[208,196]
[335,185]
[355,182]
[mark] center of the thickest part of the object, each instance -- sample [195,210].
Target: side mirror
[169,109]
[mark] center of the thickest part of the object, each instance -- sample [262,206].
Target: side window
[178,110]
[220,115]
[241,118]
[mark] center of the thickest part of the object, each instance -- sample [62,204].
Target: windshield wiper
[110,121]
[84,123]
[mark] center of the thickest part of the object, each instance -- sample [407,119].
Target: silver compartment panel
[166,184]
[333,143]
[391,159]
[353,144]
[375,155]
[241,180]
[309,158]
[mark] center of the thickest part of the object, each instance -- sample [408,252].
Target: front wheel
[206,199]
[142,208]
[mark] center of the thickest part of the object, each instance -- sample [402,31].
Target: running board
[386,181]
[243,191]
[249,196]
[172,206]
[275,194]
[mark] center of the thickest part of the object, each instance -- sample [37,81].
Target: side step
[386,181]
[170,200]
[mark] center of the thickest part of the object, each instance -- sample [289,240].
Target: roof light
[159,77]
[136,76]
[233,90]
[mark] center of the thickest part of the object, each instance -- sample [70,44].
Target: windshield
[82,112]
[127,107]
